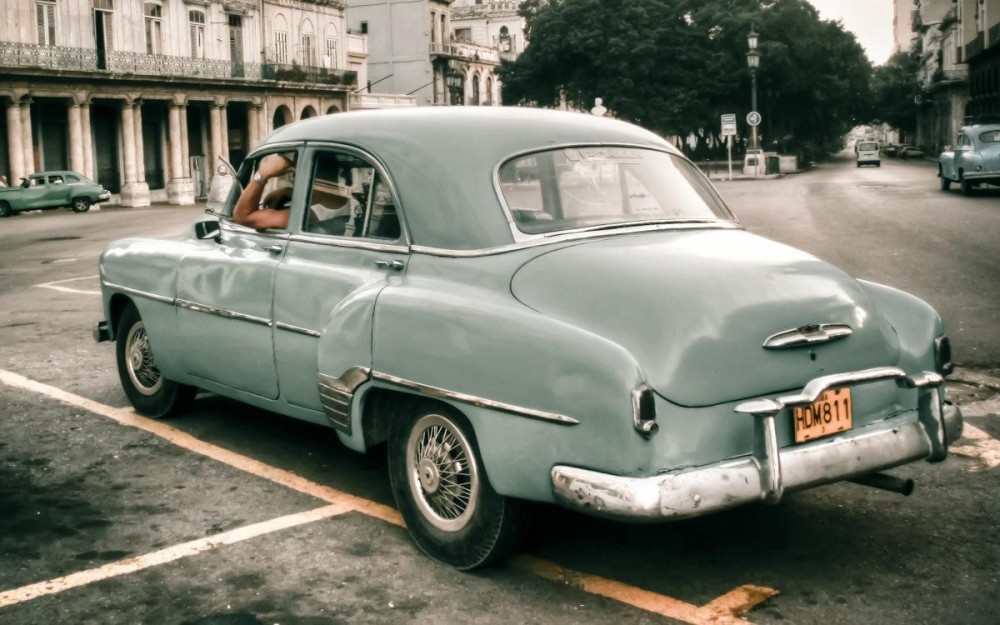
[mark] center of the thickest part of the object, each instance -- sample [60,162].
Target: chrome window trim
[280,325]
[131,291]
[576,235]
[481,402]
[520,236]
[221,312]
[358,243]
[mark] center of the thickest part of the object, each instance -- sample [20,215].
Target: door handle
[395,265]
[274,250]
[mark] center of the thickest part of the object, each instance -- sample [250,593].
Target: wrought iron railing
[161,65]
[466,50]
[305,73]
[13,54]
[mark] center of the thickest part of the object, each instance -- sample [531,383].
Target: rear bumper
[769,471]
[992,177]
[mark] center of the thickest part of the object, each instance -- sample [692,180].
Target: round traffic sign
[753,118]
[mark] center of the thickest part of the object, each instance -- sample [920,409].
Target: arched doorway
[332,109]
[308,112]
[282,116]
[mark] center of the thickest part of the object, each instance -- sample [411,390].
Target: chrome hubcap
[443,477]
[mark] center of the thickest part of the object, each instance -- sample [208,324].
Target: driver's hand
[274,165]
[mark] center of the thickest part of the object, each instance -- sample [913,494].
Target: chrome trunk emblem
[808,335]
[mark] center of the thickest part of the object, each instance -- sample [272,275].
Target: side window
[71,178]
[349,199]
[56,180]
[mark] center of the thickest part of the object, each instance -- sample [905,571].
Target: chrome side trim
[220,312]
[287,326]
[131,291]
[441,393]
[337,395]
[560,238]
[808,335]
[363,244]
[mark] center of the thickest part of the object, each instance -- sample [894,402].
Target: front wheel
[149,392]
[945,181]
[442,491]
[81,205]
[966,186]
[5,209]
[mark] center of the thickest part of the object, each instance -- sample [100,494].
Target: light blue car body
[557,348]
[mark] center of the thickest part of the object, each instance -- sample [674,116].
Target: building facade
[144,96]
[943,77]
[493,24]
[981,51]
[902,25]
[429,62]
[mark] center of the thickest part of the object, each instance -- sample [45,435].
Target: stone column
[15,150]
[180,188]
[253,126]
[215,122]
[88,142]
[27,141]
[140,149]
[75,138]
[224,125]
[185,143]
[134,193]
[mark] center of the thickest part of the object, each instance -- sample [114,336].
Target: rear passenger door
[350,242]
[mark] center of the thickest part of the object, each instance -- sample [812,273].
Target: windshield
[605,186]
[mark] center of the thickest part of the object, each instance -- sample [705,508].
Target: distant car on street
[905,151]
[868,153]
[974,160]
[52,189]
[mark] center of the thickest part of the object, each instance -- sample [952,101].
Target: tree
[895,88]
[675,66]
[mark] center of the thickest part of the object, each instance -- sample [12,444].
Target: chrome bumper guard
[768,472]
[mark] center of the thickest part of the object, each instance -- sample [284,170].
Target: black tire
[149,392]
[5,210]
[966,185]
[80,205]
[945,181]
[463,522]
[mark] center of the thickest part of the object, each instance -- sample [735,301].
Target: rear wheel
[966,185]
[81,205]
[5,209]
[149,392]
[443,493]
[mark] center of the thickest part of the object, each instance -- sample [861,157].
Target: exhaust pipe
[885,481]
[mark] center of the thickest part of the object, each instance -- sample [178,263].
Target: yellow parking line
[138,563]
[983,447]
[722,611]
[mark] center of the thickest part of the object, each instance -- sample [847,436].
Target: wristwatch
[258,178]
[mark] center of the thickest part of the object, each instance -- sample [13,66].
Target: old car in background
[52,189]
[868,153]
[973,160]
[530,305]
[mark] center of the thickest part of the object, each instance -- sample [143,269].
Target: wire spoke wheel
[442,476]
[142,370]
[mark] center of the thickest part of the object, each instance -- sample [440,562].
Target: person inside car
[273,211]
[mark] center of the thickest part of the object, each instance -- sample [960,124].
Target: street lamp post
[753,62]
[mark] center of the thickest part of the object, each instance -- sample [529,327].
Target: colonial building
[493,24]
[981,49]
[145,95]
[412,49]
[943,77]
[902,25]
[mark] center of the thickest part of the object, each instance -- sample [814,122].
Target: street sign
[753,118]
[729,125]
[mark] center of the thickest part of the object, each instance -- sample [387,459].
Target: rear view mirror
[208,229]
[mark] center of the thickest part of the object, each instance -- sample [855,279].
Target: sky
[869,20]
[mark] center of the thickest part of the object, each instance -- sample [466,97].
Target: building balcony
[994,35]
[358,101]
[306,73]
[975,46]
[466,50]
[357,44]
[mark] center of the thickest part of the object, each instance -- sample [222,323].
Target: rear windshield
[583,187]
[868,147]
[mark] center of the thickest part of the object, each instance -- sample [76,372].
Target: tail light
[644,410]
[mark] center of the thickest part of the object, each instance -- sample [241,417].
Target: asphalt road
[231,515]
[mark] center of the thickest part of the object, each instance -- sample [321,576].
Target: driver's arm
[247,211]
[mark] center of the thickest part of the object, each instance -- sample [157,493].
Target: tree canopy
[675,66]
[895,88]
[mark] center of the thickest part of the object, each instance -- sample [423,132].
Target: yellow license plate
[829,414]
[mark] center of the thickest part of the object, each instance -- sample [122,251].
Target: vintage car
[974,160]
[52,189]
[530,305]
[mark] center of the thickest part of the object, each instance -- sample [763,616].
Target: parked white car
[868,153]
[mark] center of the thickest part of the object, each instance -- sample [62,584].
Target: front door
[348,245]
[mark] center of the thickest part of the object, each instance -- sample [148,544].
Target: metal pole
[753,102]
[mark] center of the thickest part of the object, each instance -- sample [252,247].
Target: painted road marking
[193,548]
[726,610]
[55,285]
[723,611]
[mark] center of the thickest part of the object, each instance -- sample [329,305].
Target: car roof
[442,159]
